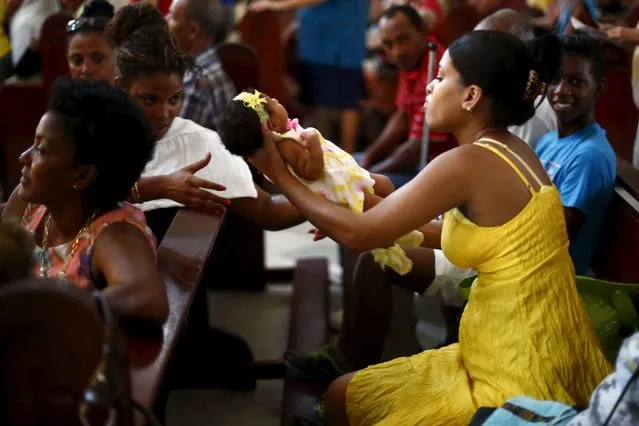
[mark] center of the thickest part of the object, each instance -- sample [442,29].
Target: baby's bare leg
[383,185]
[371,200]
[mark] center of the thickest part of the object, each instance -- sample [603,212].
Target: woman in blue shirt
[331,48]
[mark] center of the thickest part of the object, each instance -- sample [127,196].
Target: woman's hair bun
[98,9]
[546,55]
[132,17]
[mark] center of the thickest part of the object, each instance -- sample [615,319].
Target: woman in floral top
[89,150]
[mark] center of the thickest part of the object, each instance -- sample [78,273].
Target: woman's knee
[335,400]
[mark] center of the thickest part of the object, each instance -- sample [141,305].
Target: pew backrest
[51,335]
[241,63]
[182,255]
[617,255]
[53,46]
[263,31]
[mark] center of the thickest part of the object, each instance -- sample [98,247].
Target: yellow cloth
[524,331]
[542,5]
[345,183]
[4,41]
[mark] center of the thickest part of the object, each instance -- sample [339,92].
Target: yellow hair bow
[256,101]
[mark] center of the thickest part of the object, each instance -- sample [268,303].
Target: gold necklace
[44,268]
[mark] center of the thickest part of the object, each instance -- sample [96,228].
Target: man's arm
[402,159]
[394,133]
[269,212]
[432,234]
[574,219]
[581,185]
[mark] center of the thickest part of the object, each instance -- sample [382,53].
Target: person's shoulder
[546,141]
[596,147]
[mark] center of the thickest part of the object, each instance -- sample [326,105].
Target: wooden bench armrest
[181,258]
[628,177]
[615,258]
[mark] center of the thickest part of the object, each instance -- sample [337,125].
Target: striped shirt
[207,91]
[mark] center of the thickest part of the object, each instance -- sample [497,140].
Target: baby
[319,164]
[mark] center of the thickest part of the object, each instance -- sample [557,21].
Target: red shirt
[163,5]
[411,93]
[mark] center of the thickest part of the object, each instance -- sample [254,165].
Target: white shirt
[26,24]
[186,143]
[542,122]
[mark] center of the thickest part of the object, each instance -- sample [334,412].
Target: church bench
[182,255]
[617,255]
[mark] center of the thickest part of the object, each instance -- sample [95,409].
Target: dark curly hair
[500,64]
[144,44]
[108,130]
[240,129]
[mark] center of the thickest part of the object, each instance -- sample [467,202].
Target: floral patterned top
[79,270]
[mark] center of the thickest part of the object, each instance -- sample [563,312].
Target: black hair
[240,129]
[94,18]
[108,130]
[144,44]
[16,251]
[500,64]
[207,14]
[98,9]
[409,11]
[588,48]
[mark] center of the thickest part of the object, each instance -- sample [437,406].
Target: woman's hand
[623,34]
[268,159]
[263,5]
[186,188]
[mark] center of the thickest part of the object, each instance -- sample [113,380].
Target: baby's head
[16,251]
[240,128]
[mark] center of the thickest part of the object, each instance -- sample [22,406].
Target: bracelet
[136,194]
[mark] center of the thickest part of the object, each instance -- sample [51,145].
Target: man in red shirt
[396,151]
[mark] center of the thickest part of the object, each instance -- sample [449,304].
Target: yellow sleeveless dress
[524,331]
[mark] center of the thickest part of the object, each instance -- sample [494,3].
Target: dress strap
[521,161]
[510,163]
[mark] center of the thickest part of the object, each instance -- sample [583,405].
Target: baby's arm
[306,158]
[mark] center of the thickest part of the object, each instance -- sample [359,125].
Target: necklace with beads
[44,264]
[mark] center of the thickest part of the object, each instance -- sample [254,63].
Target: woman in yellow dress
[524,330]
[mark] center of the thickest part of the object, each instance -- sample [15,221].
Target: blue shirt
[583,167]
[333,33]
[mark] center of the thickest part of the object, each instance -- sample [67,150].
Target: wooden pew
[308,332]
[22,103]
[616,111]
[52,336]
[263,32]
[241,63]
[182,255]
[617,255]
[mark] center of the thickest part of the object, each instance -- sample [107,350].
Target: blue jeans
[399,179]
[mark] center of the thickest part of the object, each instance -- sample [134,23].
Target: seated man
[195,25]
[579,161]
[396,151]
[578,157]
